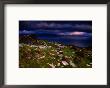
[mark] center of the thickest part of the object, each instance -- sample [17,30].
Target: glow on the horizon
[73,33]
[77,33]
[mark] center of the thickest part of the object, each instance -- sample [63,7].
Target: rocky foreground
[43,54]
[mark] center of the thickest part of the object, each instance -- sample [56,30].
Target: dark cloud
[57,24]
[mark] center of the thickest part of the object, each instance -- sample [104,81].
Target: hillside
[35,53]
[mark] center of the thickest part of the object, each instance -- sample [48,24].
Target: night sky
[77,33]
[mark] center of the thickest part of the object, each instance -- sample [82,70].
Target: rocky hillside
[35,53]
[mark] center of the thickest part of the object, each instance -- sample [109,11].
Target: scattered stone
[52,65]
[42,57]
[88,65]
[60,52]
[72,64]
[61,55]
[58,64]
[64,63]
[51,52]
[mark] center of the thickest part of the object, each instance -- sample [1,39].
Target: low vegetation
[43,54]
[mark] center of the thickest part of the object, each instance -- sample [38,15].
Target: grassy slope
[44,54]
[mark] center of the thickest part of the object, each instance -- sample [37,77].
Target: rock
[52,65]
[64,63]
[60,52]
[72,64]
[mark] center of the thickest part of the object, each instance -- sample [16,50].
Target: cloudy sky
[56,27]
[78,33]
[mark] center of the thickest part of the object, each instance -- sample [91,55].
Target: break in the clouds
[75,33]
